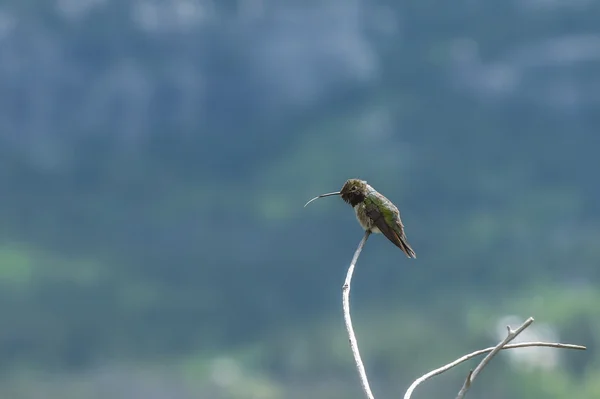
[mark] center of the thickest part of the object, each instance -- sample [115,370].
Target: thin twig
[463,359]
[346,306]
[509,337]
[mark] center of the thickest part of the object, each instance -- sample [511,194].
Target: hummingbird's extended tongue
[321,196]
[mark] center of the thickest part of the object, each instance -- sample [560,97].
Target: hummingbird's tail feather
[396,235]
[406,248]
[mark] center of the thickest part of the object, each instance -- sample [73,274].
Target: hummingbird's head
[354,191]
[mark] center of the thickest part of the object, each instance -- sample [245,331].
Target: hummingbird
[374,212]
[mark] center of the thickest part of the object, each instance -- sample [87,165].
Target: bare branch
[463,359]
[346,306]
[509,337]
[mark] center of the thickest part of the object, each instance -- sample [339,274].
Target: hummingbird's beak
[321,196]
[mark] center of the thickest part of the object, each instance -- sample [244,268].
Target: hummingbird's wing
[391,226]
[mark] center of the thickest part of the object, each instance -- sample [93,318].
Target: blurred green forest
[155,157]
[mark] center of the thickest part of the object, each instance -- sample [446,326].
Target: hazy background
[155,157]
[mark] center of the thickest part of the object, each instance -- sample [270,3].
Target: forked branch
[492,351]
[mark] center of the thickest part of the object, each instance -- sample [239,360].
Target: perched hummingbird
[374,212]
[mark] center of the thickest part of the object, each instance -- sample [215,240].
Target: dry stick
[474,373]
[346,306]
[492,351]
[463,359]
